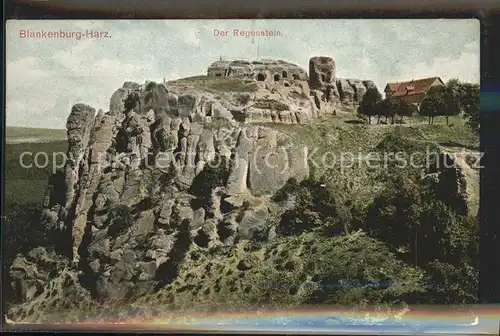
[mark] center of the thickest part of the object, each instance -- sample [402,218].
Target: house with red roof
[413,91]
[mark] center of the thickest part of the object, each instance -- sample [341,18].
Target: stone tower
[322,72]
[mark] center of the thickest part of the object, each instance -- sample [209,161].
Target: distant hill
[33,135]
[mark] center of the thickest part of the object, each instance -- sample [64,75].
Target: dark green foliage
[386,108]
[346,270]
[452,99]
[470,104]
[23,229]
[282,194]
[428,233]
[403,109]
[448,99]
[432,106]
[119,219]
[315,207]
[26,185]
[368,105]
[215,174]
[22,232]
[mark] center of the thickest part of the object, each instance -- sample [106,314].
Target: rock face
[322,72]
[332,93]
[455,182]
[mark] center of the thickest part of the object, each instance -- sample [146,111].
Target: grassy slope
[339,138]
[13,133]
[27,185]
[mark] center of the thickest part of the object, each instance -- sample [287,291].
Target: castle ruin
[266,70]
[322,80]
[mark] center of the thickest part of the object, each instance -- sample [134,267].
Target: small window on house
[284,74]
[295,76]
[261,77]
[276,78]
[323,77]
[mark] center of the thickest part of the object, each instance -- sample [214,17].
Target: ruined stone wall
[264,70]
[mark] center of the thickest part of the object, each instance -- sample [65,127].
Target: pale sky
[45,77]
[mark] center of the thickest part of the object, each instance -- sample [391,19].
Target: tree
[386,108]
[470,104]
[432,106]
[450,96]
[315,208]
[368,105]
[403,109]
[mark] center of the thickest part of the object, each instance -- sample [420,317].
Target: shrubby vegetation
[314,208]
[422,226]
[428,233]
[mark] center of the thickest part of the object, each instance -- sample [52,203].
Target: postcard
[235,174]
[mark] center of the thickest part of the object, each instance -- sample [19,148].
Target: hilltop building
[413,91]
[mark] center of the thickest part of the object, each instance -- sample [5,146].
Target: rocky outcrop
[336,93]
[455,182]
[322,72]
[44,283]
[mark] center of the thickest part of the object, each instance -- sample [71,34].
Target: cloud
[191,36]
[113,68]
[24,71]
[74,59]
[446,68]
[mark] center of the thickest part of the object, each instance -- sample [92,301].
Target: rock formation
[169,166]
[322,73]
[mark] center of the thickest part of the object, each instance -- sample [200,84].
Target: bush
[429,234]
[215,174]
[119,219]
[368,105]
[315,207]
